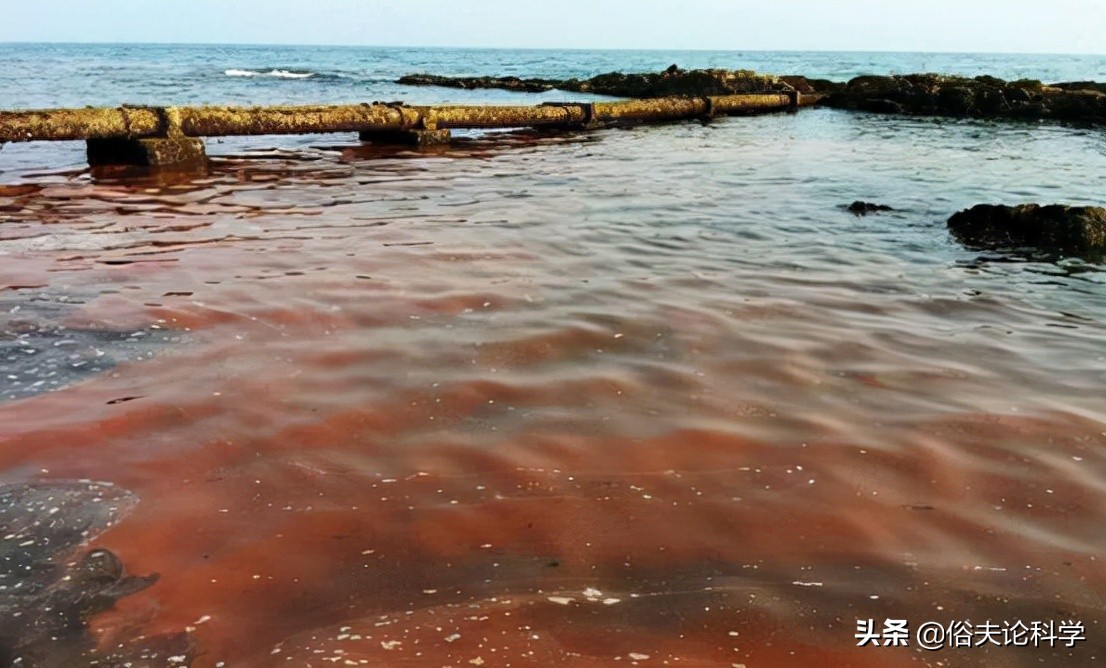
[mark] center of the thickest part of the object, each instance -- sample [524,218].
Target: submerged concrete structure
[171,152]
[170,137]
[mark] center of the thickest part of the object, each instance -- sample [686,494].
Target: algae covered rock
[671,82]
[1053,227]
[980,97]
[471,83]
[675,81]
[807,85]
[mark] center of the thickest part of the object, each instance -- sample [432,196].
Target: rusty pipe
[89,123]
[277,120]
[215,121]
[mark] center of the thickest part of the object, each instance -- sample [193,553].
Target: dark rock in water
[807,86]
[982,97]
[469,83]
[880,105]
[671,82]
[864,208]
[40,354]
[921,94]
[47,591]
[1053,227]
[1096,86]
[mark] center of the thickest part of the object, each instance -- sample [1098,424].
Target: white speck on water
[561,600]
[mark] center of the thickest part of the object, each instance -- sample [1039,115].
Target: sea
[638,396]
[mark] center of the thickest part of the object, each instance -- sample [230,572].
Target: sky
[1012,26]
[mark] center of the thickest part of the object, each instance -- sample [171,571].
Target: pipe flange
[710,112]
[126,109]
[399,107]
[588,109]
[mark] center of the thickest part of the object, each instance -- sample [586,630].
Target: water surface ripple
[649,392]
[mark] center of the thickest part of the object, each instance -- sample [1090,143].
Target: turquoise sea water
[53,75]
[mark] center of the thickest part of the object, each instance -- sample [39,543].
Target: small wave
[281,74]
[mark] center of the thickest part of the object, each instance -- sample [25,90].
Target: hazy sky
[1028,26]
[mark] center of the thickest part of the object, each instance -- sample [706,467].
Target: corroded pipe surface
[502,117]
[659,109]
[736,104]
[145,122]
[223,121]
[68,124]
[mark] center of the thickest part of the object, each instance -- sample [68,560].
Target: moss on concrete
[418,138]
[177,152]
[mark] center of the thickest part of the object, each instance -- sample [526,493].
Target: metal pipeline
[144,122]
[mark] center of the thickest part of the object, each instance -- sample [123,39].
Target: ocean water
[561,400]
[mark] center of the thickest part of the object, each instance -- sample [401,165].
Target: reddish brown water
[646,399]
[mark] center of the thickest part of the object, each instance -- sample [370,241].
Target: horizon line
[539,48]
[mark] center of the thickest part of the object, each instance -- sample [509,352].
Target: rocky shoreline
[978,97]
[673,81]
[912,94]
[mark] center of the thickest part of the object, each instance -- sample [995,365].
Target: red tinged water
[549,402]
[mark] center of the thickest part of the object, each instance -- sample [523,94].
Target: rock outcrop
[860,208]
[671,82]
[920,94]
[1056,227]
[982,97]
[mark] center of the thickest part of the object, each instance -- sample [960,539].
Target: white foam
[285,74]
[280,74]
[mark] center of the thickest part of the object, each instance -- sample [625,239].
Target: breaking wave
[280,74]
